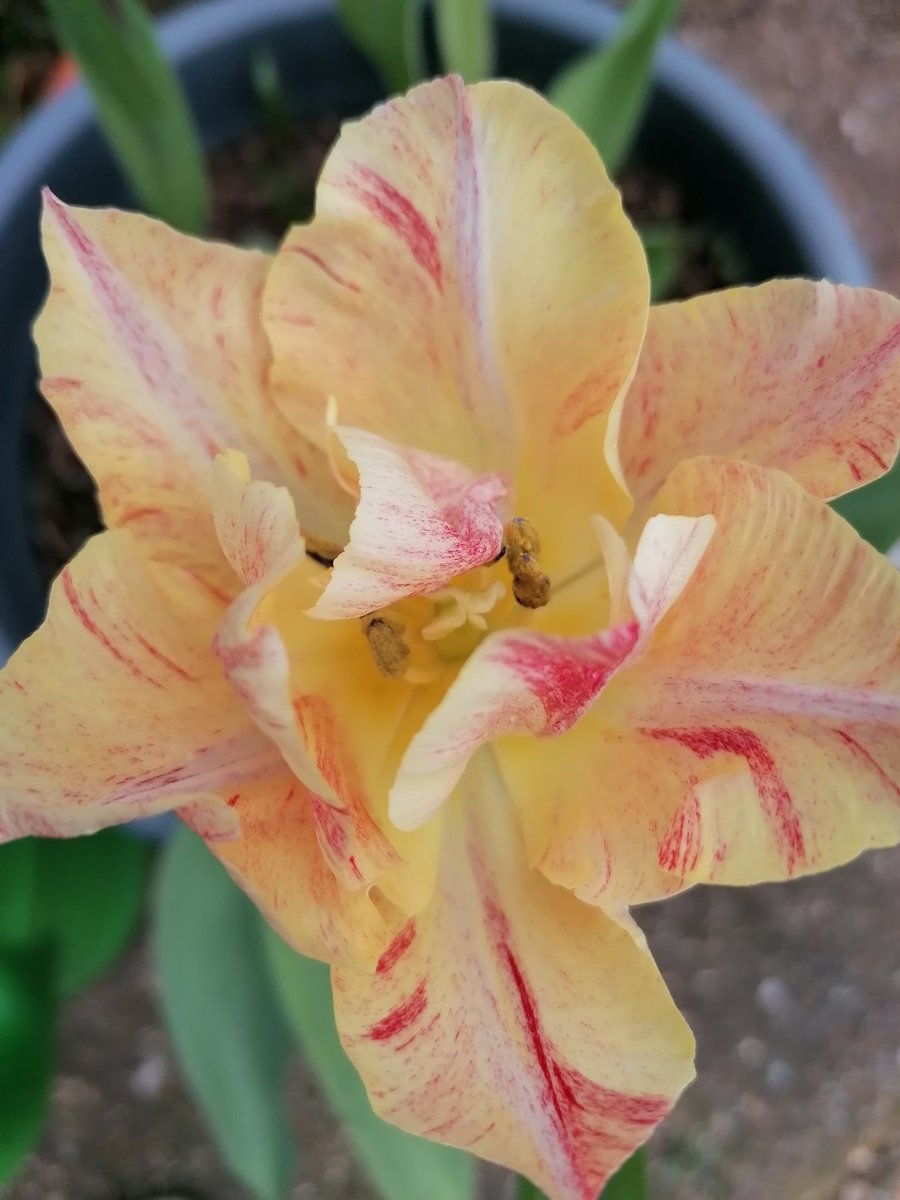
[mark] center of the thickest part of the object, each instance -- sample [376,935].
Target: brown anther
[531,587]
[390,652]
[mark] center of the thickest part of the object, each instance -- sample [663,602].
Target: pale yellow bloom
[426,763]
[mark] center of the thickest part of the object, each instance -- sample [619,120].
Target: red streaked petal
[791,374]
[421,520]
[512,1020]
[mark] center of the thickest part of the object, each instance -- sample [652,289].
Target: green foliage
[401,1166]
[628,1183]
[874,510]
[27,1021]
[223,1014]
[67,907]
[82,896]
[139,103]
[465,35]
[388,32]
[664,247]
[605,91]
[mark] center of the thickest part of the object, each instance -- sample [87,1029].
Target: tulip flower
[461,601]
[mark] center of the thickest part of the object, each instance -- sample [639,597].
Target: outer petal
[797,375]
[759,737]
[513,1021]
[278,861]
[421,520]
[314,690]
[471,286]
[527,682]
[115,708]
[153,356]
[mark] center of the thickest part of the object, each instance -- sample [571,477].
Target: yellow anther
[389,651]
[531,587]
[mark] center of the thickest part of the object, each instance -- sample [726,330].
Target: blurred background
[793,990]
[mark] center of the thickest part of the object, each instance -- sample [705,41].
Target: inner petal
[421,521]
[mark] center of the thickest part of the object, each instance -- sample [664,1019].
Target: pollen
[531,587]
[387,646]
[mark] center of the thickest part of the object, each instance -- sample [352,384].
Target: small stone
[773,997]
[752,1052]
[779,1075]
[148,1078]
[861,1160]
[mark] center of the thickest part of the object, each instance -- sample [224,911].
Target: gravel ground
[793,990]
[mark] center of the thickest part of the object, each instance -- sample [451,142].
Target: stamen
[463,608]
[387,646]
[531,587]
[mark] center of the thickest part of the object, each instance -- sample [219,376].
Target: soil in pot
[260,185]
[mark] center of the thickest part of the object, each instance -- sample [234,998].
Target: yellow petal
[757,738]
[278,861]
[797,375]
[116,708]
[153,355]
[512,1020]
[469,286]
[313,688]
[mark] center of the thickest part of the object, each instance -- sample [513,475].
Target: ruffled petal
[757,738]
[278,861]
[792,374]
[470,286]
[512,1020]
[116,709]
[315,691]
[153,355]
[528,682]
[421,520]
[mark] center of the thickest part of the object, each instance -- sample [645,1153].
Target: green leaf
[27,1025]
[630,1181]
[465,36]
[606,90]
[139,103]
[401,1166]
[222,1012]
[388,32]
[81,895]
[874,510]
[664,247]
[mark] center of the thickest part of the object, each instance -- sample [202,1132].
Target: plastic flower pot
[738,170]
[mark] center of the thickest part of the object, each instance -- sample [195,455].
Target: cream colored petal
[313,688]
[421,520]
[116,707]
[512,1020]
[469,286]
[153,355]
[759,736]
[792,374]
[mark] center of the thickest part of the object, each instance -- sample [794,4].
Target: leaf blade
[140,105]
[401,1166]
[388,34]
[27,1042]
[606,90]
[465,36]
[222,1013]
[82,895]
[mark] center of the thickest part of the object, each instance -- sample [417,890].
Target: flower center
[416,638]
